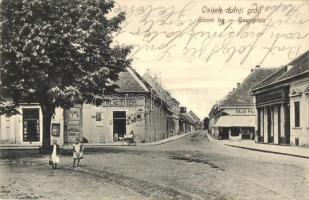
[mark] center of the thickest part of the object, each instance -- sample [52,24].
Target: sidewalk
[115,144]
[294,151]
[91,145]
[17,150]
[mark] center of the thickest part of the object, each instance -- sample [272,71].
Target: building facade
[26,128]
[135,106]
[235,116]
[168,103]
[282,104]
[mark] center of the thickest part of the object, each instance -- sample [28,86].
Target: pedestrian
[78,152]
[54,154]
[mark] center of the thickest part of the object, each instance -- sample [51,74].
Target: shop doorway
[31,125]
[224,133]
[119,124]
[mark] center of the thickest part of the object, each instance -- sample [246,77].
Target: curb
[138,144]
[268,151]
[210,138]
[163,142]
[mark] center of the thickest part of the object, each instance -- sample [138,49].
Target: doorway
[31,125]
[224,133]
[119,124]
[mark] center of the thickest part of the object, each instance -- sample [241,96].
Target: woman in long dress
[78,152]
[54,154]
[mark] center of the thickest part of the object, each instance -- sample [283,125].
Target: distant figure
[131,134]
[131,137]
[78,152]
[54,154]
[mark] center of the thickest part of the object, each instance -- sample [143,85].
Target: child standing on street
[78,152]
[54,154]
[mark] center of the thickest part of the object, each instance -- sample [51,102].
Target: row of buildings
[139,104]
[270,106]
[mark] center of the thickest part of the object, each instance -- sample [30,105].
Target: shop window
[235,131]
[31,125]
[297,114]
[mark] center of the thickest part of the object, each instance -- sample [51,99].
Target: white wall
[301,132]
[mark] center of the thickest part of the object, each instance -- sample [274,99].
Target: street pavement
[191,167]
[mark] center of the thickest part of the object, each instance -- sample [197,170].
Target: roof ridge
[138,78]
[268,77]
[237,89]
[241,95]
[300,62]
[159,87]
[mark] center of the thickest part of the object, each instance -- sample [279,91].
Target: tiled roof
[187,118]
[297,67]
[194,116]
[241,95]
[131,81]
[159,90]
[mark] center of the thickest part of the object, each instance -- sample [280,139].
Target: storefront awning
[236,121]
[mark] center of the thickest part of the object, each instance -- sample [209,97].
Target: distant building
[206,123]
[282,103]
[234,116]
[188,121]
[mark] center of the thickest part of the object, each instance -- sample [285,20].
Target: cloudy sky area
[199,62]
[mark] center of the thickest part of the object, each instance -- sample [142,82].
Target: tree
[206,123]
[58,53]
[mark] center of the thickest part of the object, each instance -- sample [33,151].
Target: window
[296,114]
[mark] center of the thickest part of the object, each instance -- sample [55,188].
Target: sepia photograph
[154,99]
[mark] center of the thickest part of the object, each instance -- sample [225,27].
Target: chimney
[288,67]
[183,109]
[238,84]
[158,78]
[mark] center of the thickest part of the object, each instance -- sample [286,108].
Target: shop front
[273,116]
[236,127]
[26,128]
[112,120]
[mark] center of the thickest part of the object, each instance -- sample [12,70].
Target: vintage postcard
[154,99]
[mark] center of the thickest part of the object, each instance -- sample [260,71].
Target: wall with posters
[72,124]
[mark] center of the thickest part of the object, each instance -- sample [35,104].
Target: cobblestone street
[189,168]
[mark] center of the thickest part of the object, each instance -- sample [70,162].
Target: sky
[202,49]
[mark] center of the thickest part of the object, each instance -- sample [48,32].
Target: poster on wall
[55,129]
[72,124]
